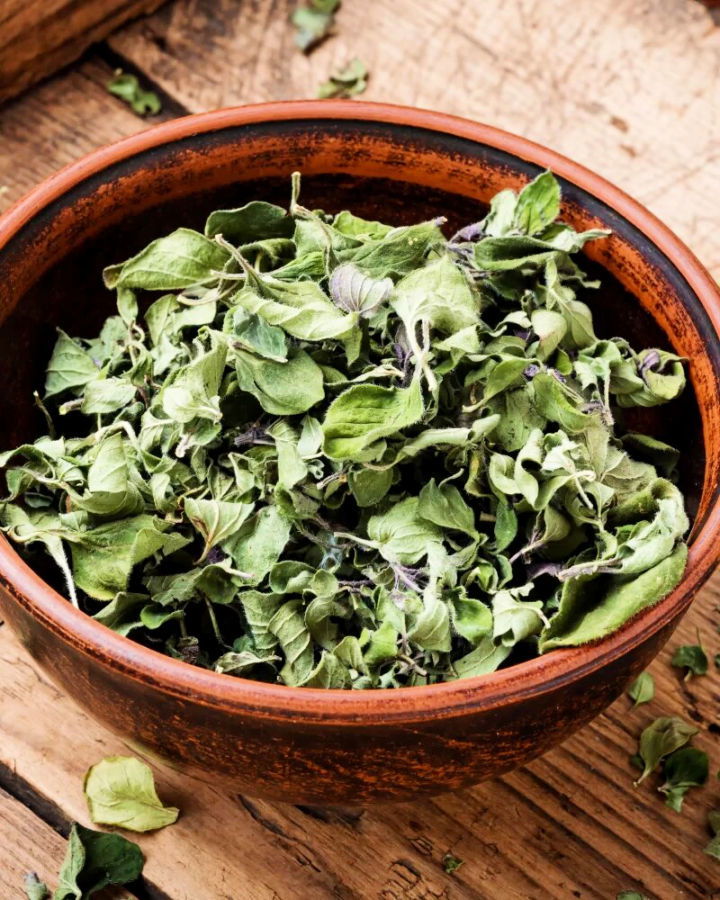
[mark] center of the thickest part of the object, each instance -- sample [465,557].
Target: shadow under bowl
[400,165]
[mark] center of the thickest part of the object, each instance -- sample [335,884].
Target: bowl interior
[50,266]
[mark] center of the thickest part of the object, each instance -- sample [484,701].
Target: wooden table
[631,89]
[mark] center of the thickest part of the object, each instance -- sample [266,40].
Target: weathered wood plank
[58,122]
[29,845]
[570,822]
[628,89]
[37,37]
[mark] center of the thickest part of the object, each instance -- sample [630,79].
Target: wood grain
[29,845]
[37,37]
[630,89]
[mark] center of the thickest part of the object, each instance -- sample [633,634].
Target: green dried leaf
[365,413]
[70,367]
[35,889]
[401,534]
[713,847]
[692,658]
[313,22]
[451,863]
[683,769]
[642,690]
[538,204]
[661,738]
[443,505]
[127,88]
[120,791]
[281,388]
[347,81]
[95,860]
[180,260]
[592,609]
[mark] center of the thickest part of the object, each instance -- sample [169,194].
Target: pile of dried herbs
[336,453]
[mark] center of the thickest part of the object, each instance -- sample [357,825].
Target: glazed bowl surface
[400,165]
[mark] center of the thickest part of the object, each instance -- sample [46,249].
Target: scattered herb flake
[683,769]
[692,658]
[94,860]
[642,690]
[127,88]
[346,82]
[713,847]
[661,738]
[631,895]
[313,22]
[120,791]
[334,452]
[35,889]
[451,863]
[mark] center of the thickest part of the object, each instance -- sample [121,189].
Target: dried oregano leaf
[95,860]
[642,690]
[661,738]
[334,452]
[127,88]
[120,791]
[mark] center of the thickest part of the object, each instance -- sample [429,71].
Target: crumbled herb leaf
[313,22]
[120,790]
[451,863]
[683,769]
[642,690]
[335,452]
[712,848]
[34,888]
[692,658]
[127,88]
[661,738]
[348,81]
[631,895]
[95,860]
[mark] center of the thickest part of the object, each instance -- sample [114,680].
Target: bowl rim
[544,674]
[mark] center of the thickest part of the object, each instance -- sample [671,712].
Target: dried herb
[127,88]
[683,769]
[35,889]
[451,863]
[93,861]
[631,895]
[661,738]
[345,82]
[692,658]
[642,690]
[712,848]
[314,22]
[120,791]
[326,451]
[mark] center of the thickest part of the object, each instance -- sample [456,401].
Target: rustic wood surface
[631,89]
[37,37]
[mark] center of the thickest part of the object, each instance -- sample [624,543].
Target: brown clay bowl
[304,745]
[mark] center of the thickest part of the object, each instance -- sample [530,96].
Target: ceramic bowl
[402,165]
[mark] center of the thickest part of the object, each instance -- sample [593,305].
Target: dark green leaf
[683,769]
[692,658]
[127,88]
[661,738]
